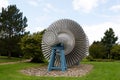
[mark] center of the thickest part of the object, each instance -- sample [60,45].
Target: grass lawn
[4,59]
[101,71]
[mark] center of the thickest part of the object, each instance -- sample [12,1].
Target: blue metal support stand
[57,50]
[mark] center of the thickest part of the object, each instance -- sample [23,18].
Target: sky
[95,16]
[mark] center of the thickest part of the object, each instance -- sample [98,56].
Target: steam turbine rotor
[71,35]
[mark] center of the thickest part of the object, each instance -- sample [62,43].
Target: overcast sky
[95,16]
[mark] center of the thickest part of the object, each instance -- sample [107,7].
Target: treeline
[14,40]
[107,48]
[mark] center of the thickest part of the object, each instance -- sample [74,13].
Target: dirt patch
[75,71]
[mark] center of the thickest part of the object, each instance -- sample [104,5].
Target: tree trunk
[109,55]
[9,54]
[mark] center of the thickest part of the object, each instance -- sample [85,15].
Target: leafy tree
[115,52]
[31,46]
[12,27]
[97,50]
[109,40]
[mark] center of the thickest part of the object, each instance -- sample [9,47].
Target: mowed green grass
[4,59]
[101,71]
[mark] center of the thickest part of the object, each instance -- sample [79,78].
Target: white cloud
[40,23]
[3,3]
[50,8]
[115,8]
[35,29]
[42,19]
[86,5]
[34,3]
[96,32]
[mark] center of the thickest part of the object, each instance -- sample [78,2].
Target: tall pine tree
[109,40]
[12,27]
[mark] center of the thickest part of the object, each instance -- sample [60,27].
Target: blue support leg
[63,61]
[59,49]
[52,60]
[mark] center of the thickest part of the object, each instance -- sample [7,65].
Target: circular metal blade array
[71,35]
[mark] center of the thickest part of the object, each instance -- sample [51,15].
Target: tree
[109,40]
[31,47]
[115,52]
[12,28]
[97,50]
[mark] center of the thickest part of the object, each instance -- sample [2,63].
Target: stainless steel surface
[71,35]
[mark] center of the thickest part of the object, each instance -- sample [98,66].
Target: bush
[89,58]
[98,51]
[31,47]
